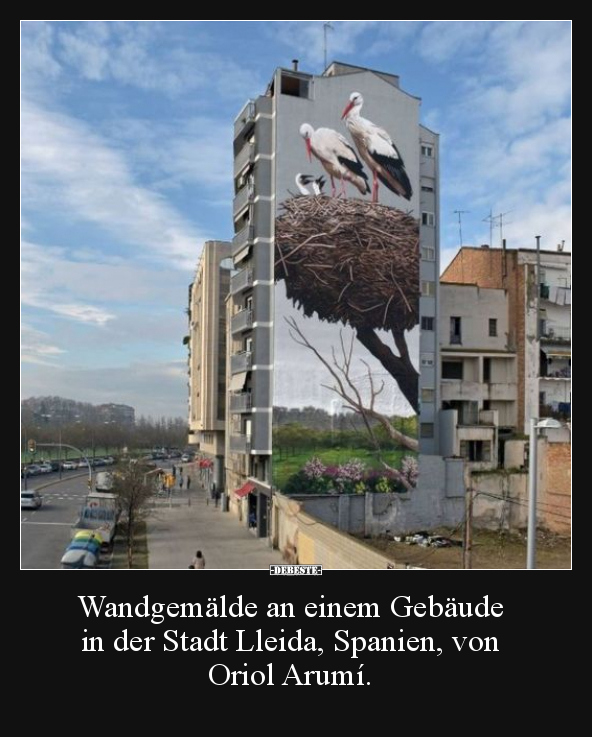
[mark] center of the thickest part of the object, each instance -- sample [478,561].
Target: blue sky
[126,140]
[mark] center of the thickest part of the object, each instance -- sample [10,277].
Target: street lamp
[535,425]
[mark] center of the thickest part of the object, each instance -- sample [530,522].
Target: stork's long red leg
[333,190]
[374,188]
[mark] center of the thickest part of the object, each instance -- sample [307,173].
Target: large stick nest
[350,261]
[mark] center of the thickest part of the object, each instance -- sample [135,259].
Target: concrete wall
[475,306]
[303,539]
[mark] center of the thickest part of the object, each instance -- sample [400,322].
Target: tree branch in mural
[354,262]
[346,388]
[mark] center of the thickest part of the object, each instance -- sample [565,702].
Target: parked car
[55,465]
[45,467]
[69,465]
[31,499]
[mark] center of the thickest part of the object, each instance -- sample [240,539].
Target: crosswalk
[75,497]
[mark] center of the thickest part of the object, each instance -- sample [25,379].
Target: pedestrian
[180,482]
[216,495]
[174,470]
[181,470]
[199,562]
[188,482]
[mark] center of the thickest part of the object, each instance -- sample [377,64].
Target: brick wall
[555,501]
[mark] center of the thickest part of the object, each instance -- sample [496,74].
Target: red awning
[245,489]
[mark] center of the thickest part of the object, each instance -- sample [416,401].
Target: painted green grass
[288,465]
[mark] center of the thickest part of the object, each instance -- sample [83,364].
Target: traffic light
[32,445]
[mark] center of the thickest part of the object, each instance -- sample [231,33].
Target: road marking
[63,524]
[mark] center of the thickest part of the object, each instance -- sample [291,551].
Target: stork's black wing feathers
[396,169]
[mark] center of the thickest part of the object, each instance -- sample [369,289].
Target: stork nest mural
[350,261]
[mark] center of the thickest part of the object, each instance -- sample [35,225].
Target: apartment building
[538,288]
[300,139]
[478,373]
[207,356]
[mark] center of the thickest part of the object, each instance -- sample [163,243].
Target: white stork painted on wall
[337,156]
[303,180]
[377,149]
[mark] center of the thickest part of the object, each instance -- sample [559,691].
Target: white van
[104,481]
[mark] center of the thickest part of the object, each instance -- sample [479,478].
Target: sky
[126,168]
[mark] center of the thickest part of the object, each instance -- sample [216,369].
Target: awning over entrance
[237,382]
[245,489]
[557,352]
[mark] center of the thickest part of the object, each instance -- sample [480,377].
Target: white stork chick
[338,158]
[302,180]
[377,149]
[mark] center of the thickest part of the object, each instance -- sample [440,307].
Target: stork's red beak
[348,107]
[309,149]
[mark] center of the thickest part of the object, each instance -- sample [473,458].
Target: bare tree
[134,491]
[345,387]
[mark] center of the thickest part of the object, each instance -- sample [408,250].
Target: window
[486,370]
[427,395]
[426,188]
[452,370]
[426,430]
[427,218]
[428,288]
[427,360]
[295,86]
[492,327]
[427,323]
[455,331]
[427,150]
[428,253]
[476,451]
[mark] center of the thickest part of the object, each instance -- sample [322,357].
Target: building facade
[478,373]
[538,288]
[207,357]
[325,289]
[119,414]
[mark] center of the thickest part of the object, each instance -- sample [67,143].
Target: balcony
[240,362]
[243,198]
[242,239]
[564,373]
[245,118]
[556,335]
[244,158]
[241,402]
[242,320]
[240,443]
[242,280]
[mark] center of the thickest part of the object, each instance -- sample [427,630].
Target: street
[45,532]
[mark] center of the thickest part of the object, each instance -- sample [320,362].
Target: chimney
[295,64]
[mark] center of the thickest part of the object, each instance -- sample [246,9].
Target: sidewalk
[176,529]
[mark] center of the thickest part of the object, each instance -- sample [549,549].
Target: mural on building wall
[344,258]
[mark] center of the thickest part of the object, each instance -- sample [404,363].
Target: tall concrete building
[538,288]
[378,290]
[207,356]
[120,414]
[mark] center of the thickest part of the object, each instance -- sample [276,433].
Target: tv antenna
[498,221]
[460,213]
[327,26]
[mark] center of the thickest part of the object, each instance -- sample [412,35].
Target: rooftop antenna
[327,26]
[497,220]
[460,213]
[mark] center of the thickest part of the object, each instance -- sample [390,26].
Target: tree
[134,490]
[346,388]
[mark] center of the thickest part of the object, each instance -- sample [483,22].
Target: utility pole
[460,213]
[468,531]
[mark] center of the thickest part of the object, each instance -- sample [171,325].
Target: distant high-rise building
[207,356]
[120,414]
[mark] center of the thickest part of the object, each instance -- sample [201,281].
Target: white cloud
[62,158]
[36,346]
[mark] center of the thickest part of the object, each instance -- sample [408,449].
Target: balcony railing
[242,239]
[244,118]
[243,320]
[564,373]
[240,362]
[242,280]
[241,402]
[240,443]
[243,197]
[557,334]
[244,157]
